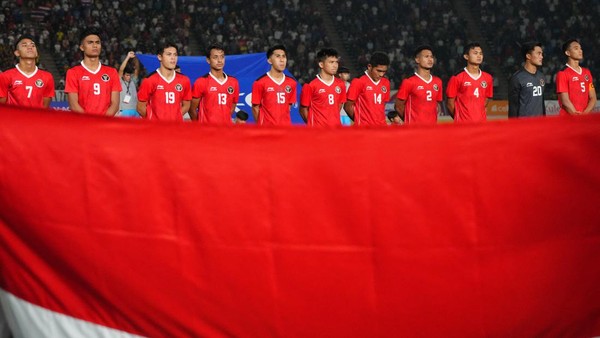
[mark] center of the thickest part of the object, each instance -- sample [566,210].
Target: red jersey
[421,98]
[216,98]
[26,90]
[577,85]
[274,99]
[323,101]
[94,88]
[164,97]
[369,100]
[470,94]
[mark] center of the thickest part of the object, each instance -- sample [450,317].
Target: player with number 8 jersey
[469,90]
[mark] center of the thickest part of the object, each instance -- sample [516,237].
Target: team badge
[105,77]
[178,87]
[338,89]
[483,84]
[384,89]
[39,83]
[230,90]
[542,82]
[435,87]
[288,89]
[587,77]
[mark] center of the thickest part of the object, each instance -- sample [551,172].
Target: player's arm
[46,101]
[255,111]
[141,108]
[591,100]
[73,99]
[513,97]
[130,55]
[567,104]
[304,113]
[450,105]
[185,107]
[194,109]
[400,106]
[114,104]
[349,108]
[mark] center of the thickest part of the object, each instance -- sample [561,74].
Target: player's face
[475,56]
[575,52]
[168,58]
[536,57]
[377,72]
[425,59]
[279,60]
[216,60]
[26,49]
[91,46]
[330,65]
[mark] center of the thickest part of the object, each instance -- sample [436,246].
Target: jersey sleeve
[49,90]
[562,83]
[306,95]
[3,85]
[145,90]
[440,93]
[115,85]
[354,90]
[71,84]
[452,89]
[236,92]
[256,93]
[343,94]
[404,90]
[490,87]
[293,93]
[197,89]
[386,96]
[187,89]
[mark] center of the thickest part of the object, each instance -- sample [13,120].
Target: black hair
[165,45]
[271,50]
[421,48]
[89,31]
[392,114]
[342,70]
[242,115]
[470,46]
[325,53]
[379,58]
[567,44]
[23,37]
[212,46]
[528,47]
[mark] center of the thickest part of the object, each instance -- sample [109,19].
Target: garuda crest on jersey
[39,83]
[436,87]
[384,89]
[105,77]
[338,89]
[483,84]
[178,87]
[230,90]
[288,89]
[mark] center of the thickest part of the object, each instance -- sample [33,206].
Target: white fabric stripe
[28,320]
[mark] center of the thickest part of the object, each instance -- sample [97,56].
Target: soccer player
[322,98]
[92,87]
[418,96]
[574,84]
[25,84]
[470,90]
[274,93]
[368,94]
[166,92]
[215,95]
[526,90]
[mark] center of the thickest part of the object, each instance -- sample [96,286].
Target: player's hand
[131,55]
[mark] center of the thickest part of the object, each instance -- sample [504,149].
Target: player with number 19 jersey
[323,101]
[471,93]
[421,98]
[577,85]
[369,100]
[26,90]
[274,98]
[164,97]
[93,87]
[217,98]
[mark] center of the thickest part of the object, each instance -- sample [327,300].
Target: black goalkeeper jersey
[526,94]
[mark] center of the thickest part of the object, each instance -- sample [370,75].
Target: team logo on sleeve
[105,77]
[338,90]
[384,89]
[436,87]
[483,84]
[230,90]
[178,87]
[39,83]
[288,89]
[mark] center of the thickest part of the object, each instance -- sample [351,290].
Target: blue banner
[246,68]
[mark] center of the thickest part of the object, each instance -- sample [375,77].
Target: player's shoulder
[111,69]
[263,77]
[181,77]
[290,77]
[563,68]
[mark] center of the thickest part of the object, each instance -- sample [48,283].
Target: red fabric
[171,230]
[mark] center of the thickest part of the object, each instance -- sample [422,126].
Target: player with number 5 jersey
[526,92]
[25,84]
[92,87]
[418,96]
[322,98]
[166,92]
[574,84]
[368,94]
[470,90]
[274,93]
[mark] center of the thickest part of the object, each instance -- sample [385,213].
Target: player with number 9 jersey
[93,86]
